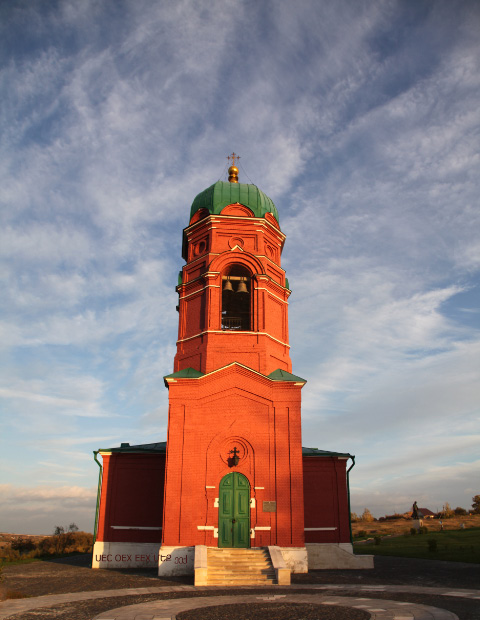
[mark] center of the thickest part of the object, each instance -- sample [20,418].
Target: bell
[227,286]
[242,287]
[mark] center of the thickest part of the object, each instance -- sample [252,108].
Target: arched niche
[237,301]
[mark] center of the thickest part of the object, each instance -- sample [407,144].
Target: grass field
[19,549]
[450,545]
[398,527]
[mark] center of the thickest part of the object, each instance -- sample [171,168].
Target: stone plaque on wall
[269,506]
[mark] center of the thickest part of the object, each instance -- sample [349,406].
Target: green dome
[223,193]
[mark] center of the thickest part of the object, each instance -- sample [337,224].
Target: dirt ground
[74,575]
[274,611]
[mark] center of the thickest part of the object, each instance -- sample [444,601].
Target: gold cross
[233,157]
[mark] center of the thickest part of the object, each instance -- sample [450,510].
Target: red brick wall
[132,495]
[326,500]
[207,418]
[211,248]
[231,406]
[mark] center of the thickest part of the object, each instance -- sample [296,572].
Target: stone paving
[380,609]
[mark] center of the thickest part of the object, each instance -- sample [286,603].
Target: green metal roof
[276,375]
[186,373]
[152,448]
[317,452]
[223,193]
[283,375]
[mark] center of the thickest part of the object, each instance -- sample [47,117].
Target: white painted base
[176,561]
[201,565]
[295,558]
[335,555]
[180,560]
[125,555]
[282,572]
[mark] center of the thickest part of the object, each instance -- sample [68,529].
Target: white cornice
[228,331]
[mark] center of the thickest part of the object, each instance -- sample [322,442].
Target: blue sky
[359,119]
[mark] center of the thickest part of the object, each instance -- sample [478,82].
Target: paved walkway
[380,609]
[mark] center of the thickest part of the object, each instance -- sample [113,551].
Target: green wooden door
[234,511]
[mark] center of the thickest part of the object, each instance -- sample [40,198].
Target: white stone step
[241,570]
[239,564]
[239,567]
[246,582]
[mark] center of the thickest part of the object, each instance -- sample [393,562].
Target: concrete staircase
[239,567]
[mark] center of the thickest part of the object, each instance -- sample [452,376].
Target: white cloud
[67,404]
[359,120]
[27,495]
[42,508]
[431,488]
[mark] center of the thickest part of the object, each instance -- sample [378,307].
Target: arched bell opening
[236,299]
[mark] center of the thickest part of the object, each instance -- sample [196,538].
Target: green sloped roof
[160,447]
[317,452]
[283,375]
[223,193]
[185,373]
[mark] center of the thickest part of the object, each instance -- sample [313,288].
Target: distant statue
[414,511]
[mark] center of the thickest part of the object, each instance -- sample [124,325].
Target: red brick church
[232,475]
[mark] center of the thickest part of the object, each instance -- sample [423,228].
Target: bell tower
[234,474]
[233,293]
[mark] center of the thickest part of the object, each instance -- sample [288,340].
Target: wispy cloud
[44,507]
[11,494]
[359,120]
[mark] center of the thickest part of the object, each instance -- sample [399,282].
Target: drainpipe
[99,487]
[348,492]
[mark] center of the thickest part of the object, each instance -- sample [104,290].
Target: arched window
[237,299]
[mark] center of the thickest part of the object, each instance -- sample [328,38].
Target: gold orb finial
[233,174]
[233,170]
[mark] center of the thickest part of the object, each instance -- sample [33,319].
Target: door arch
[234,511]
